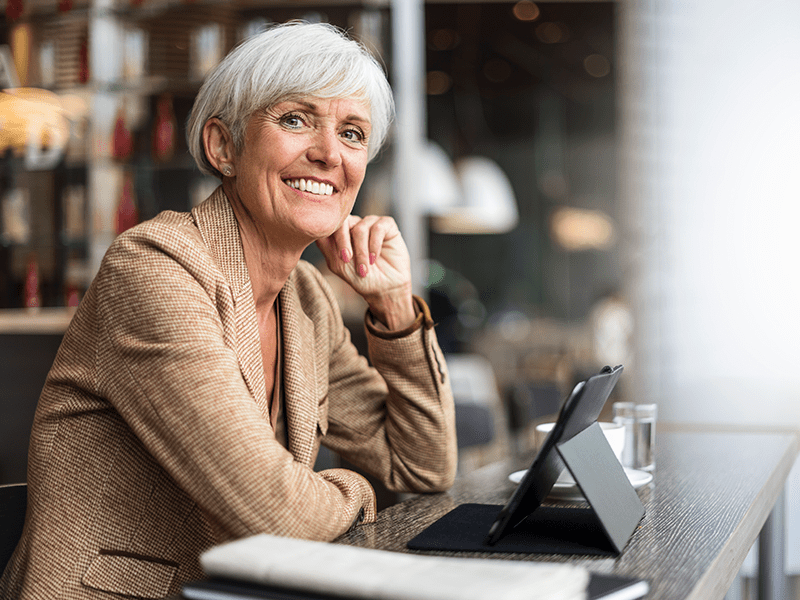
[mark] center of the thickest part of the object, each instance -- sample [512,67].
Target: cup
[639,422]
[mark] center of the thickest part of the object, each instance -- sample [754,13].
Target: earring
[226,170]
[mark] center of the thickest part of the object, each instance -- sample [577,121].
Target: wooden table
[712,492]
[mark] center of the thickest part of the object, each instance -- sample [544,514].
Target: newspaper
[353,572]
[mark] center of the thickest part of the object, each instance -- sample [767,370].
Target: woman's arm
[402,428]
[396,420]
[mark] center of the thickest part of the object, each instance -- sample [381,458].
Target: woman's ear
[218,145]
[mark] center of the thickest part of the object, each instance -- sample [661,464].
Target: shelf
[114,63]
[35,321]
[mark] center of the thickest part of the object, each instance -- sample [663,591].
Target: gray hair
[285,61]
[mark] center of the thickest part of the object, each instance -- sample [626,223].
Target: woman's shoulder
[170,235]
[167,229]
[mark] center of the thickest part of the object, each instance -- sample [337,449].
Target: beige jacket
[152,439]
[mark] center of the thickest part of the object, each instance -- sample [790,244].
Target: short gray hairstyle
[286,61]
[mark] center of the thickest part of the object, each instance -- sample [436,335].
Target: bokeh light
[443,39]
[525,10]
[438,82]
[552,33]
[597,65]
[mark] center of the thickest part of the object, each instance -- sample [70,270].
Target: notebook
[265,566]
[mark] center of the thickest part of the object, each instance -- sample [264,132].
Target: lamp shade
[472,196]
[439,190]
[486,204]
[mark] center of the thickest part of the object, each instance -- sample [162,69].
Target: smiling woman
[207,362]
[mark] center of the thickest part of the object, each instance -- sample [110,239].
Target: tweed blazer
[152,439]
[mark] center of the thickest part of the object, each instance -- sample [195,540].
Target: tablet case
[603,528]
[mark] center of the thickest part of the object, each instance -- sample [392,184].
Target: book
[279,567]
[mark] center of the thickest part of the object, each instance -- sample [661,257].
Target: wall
[712,140]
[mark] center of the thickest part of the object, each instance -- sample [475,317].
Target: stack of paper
[352,572]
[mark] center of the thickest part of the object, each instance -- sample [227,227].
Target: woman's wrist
[394,310]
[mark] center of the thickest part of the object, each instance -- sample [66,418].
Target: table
[713,490]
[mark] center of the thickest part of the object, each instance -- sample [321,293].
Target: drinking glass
[624,415]
[639,421]
[645,424]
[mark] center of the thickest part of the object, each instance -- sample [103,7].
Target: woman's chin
[318,231]
[319,226]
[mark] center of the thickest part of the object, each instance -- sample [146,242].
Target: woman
[207,362]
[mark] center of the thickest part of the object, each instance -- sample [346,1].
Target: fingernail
[362,270]
[372,258]
[345,255]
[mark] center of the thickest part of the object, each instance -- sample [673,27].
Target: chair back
[477,399]
[474,425]
[13,502]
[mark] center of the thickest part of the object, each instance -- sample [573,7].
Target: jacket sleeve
[168,366]
[396,418]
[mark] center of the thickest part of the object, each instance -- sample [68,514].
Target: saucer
[566,488]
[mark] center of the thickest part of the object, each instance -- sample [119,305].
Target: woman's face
[302,165]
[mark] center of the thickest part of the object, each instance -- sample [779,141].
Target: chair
[474,425]
[480,420]
[13,502]
[476,398]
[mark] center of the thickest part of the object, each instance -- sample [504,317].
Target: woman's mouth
[310,186]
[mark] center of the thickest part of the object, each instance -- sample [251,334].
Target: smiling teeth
[315,187]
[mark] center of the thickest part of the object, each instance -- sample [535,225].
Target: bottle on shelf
[72,296]
[164,130]
[14,9]
[122,144]
[83,60]
[32,293]
[126,215]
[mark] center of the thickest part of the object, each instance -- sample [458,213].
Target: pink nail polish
[372,258]
[362,270]
[345,255]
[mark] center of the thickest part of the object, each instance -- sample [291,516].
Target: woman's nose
[325,149]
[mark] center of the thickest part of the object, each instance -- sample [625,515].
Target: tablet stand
[604,484]
[604,528]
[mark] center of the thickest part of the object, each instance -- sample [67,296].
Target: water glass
[639,421]
[645,420]
[623,414]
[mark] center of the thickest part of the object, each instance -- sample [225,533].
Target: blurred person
[208,362]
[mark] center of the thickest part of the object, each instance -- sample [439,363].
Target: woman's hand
[371,256]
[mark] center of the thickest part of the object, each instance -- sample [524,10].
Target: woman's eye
[353,135]
[292,121]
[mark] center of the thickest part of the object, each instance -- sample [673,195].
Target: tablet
[581,408]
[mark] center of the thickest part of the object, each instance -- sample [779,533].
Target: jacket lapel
[220,231]
[299,375]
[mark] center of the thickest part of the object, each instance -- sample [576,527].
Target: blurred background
[580,184]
